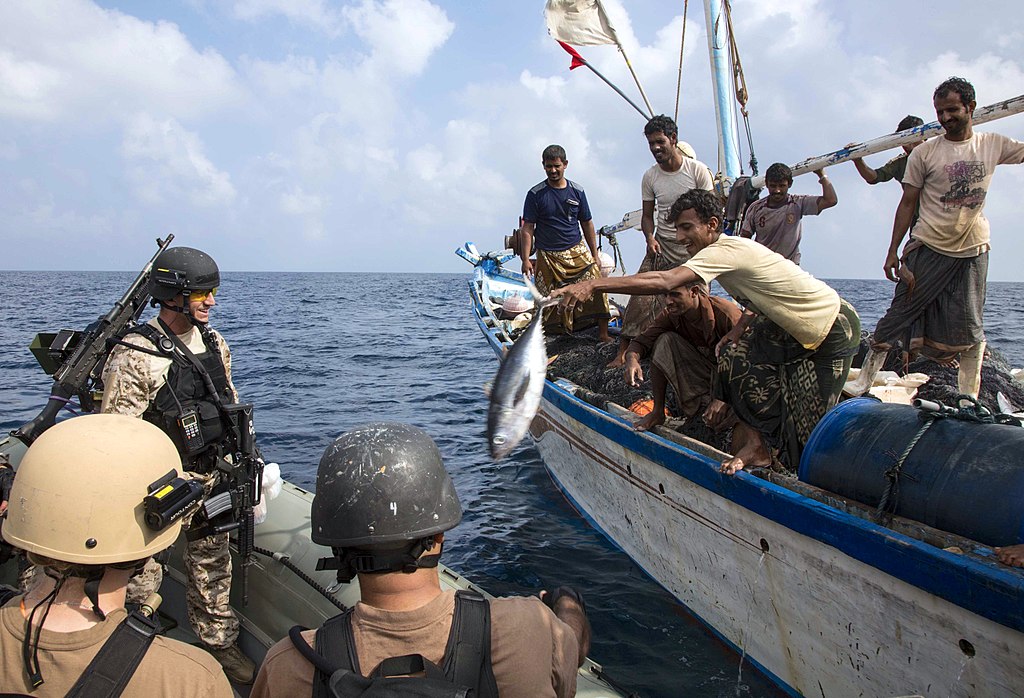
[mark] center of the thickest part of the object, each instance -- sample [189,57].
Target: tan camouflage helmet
[78,493]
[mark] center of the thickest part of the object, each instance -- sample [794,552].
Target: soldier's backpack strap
[115,664]
[335,649]
[468,653]
[164,346]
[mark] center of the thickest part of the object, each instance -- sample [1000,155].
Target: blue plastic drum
[963,477]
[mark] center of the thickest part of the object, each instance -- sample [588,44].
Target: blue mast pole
[728,149]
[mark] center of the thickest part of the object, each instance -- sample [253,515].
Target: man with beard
[937,309]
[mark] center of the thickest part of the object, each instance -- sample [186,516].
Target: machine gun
[75,358]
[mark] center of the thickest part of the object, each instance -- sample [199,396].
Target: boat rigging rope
[931,412]
[682,44]
[740,80]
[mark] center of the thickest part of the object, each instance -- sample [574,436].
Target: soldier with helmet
[383,504]
[84,508]
[175,372]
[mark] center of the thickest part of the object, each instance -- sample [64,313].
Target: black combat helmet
[382,494]
[182,269]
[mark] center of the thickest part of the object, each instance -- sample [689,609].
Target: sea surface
[321,353]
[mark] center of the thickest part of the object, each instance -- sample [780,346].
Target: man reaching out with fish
[783,365]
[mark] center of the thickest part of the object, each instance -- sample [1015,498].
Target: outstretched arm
[649,283]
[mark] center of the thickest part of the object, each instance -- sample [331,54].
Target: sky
[379,135]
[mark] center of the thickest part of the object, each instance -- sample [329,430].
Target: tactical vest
[185,390]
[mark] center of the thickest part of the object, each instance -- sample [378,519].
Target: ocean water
[321,353]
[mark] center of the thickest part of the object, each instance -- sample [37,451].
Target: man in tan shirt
[937,309]
[383,502]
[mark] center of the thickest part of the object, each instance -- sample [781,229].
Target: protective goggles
[201,295]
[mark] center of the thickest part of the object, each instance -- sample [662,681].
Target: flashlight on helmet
[170,498]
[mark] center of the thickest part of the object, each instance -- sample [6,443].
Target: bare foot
[604,337]
[750,450]
[731,466]
[652,419]
[617,362]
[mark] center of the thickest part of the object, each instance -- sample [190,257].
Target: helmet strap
[30,642]
[352,561]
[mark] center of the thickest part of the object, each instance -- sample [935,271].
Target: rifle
[231,505]
[81,354]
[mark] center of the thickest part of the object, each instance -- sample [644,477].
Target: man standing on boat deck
[78,511]
[383,504]
[163,372]
[681,342]
[673,174]
[938,307]
[895,168]
[553,214]
[774,221]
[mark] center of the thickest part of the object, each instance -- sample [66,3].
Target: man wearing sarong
[553,214]
[672,175]
[783,365]
[681,342]
[939,301]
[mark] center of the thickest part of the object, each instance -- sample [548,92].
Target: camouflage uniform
[131,380]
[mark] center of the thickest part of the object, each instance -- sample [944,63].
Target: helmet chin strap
[352,561]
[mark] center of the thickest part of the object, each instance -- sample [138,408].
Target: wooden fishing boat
[799,580]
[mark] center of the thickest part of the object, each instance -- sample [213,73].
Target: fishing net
[582,359]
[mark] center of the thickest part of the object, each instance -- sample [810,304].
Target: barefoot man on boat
[784,363]
[681,342]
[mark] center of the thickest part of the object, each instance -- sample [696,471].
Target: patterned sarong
[943,314]
[688,369]
[564,267]
[782,389]
[641,310]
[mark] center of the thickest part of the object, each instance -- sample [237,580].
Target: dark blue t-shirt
[557,214]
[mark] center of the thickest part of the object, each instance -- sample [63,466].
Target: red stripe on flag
[577,59]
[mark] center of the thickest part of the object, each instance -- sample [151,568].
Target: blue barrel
[962,477]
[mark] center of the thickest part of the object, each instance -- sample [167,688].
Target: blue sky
[378,135]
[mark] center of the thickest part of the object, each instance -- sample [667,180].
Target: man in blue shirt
[554,213]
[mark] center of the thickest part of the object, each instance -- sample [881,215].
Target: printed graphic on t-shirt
[962,174]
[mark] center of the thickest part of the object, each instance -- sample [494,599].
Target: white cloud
[402,34]
[72,61]
[313,13]
[166,162]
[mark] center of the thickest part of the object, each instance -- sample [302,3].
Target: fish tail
[539,302]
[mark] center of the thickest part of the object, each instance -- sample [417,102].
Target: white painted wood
[824,623]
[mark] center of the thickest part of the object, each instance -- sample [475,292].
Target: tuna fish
[517,387]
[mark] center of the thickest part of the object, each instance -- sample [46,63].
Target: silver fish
[518,385]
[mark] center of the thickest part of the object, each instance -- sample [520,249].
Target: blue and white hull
[824,602]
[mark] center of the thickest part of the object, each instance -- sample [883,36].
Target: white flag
[579,22]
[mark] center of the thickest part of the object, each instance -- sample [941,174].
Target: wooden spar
[894,140]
